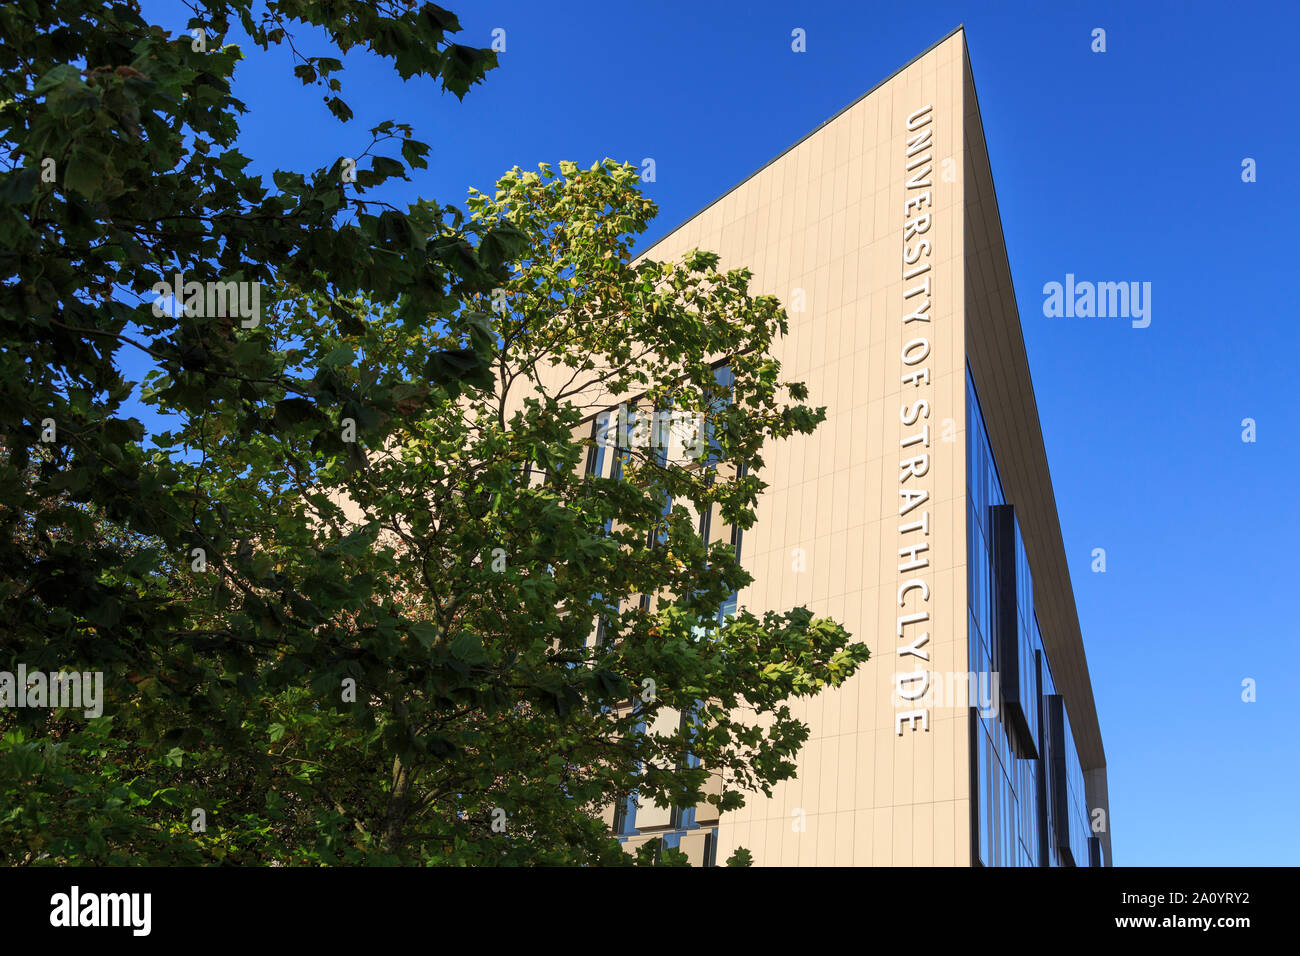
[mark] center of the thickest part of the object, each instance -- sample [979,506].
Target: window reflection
[1008,821]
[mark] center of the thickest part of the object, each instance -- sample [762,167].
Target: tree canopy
[345,607]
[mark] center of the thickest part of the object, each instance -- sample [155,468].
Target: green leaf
[413,151]
[292,411]
[468,647]
[61,74]
[741,857]
[348,321]
[339,355]
[87,171]
[503,244]
[17,186]
[483,340]
[456,365]
[425,634]
[339,108]
[396,229]
[388,168]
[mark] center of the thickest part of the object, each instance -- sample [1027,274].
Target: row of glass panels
[1012,815]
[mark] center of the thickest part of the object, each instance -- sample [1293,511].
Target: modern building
[920,514]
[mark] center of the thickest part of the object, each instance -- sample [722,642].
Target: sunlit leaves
[125,175]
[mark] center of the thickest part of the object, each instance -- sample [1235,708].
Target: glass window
[1008,812]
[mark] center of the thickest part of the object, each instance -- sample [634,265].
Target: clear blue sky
[1117,166]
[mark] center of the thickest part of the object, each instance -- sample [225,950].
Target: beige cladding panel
[825,223]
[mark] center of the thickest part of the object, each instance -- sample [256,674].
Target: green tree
[121,171]
[344,607]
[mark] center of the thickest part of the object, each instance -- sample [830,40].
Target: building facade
[920,515]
